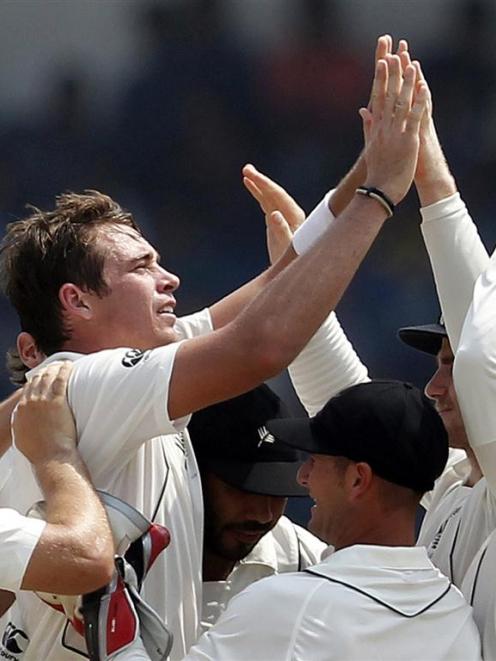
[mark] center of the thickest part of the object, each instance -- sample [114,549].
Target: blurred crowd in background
[168,141]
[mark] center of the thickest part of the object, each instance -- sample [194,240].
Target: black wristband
[379,196]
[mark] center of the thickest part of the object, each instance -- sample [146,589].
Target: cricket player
[373,450]
[246,481]
[87,286]
[72,551]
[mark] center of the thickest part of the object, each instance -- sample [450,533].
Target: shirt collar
[369,555]
[59,355]
[264,554]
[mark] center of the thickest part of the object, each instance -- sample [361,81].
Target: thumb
[366,116]
[278,224]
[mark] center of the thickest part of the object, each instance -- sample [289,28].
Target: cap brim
[426,338]
[268,478]
[295,432]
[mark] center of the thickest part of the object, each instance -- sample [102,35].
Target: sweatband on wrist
[314,226]
[377,195]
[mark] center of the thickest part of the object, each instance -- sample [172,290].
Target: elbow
[93,566]
[97,567]
[270,359]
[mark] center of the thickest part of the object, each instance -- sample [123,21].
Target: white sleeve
[327,365]
[119,399]
[19,536]
[457,257]
[474,373]
[254,627]
[193,325]
[314,226]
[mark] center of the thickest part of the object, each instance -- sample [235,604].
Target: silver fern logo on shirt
[265,436]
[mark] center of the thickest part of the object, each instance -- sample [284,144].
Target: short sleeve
[119,399]
[194,325]
[19,536]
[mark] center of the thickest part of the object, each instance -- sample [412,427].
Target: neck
[396,528]
[215,567]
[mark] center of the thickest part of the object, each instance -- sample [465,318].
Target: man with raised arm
[86,283]
[461,510]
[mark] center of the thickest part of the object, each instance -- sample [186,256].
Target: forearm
[345,190]
[327,365]
[77,531]
[325,271]
[457,257]
[433,179]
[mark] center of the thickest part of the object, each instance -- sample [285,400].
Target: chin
[164,338]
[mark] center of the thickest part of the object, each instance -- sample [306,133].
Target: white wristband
[314,226]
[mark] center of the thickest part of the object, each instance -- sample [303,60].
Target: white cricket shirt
[18,538]
[134,451]
[463,517]
[362,603]
[478,589]
[286,548]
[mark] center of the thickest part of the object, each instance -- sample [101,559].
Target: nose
[303,473]
[437,385]
[167,281]
[262,508]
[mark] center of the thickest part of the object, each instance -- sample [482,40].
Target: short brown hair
[16,368]
[49,248]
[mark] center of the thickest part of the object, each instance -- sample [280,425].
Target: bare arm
[75,551]
[273,199]
[455,250]
[273,329]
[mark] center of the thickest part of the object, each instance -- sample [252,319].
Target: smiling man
[374,450]
[87,286]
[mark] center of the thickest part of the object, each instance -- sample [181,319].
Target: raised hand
[283,215]
[43,424]
[397,106]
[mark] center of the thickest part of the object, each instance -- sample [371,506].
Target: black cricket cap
[427,338]
[231,440]
[390,425]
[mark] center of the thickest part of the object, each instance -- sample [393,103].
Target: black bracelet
[377,194]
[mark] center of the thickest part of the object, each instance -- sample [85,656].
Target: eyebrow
[147,256]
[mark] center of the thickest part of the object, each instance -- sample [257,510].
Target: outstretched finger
[418,109]
[404,101]
[422,81]
[279,235]
[402,46]
[383,47]
[394,83]
[379,86]
[367,118]
[253,189]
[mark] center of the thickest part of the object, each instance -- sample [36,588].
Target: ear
[75,301]
[359,480]
[29,353]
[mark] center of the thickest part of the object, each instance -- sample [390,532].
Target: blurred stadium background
[161,103]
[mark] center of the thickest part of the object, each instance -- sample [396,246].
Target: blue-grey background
[161,103]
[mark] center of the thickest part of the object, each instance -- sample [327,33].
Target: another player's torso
[454,530]
[162,481]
